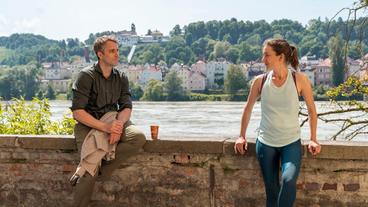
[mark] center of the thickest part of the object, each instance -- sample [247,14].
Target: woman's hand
[314,147]
[240,145]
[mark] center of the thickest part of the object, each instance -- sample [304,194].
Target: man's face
[110,54]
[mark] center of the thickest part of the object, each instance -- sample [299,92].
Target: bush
[21,117]
[206,97]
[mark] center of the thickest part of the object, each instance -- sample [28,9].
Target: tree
[176,31]
[336,53]
[212,28]
[199,47]
[50,93]
[31,84]
[132,28]
[235,80]
[244,52]
[153,54]
[154,91]
[19,81]
[248,53]
[196,30]
[232,54]
[177,51]
[136,91]
[175,91]
[220,49]
[69,92]
[351,125]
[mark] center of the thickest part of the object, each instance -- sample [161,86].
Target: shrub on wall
[23,117]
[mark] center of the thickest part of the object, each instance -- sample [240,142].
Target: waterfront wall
[183,173]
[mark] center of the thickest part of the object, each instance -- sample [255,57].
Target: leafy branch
[359,123]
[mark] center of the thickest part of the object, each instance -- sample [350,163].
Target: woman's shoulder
[300,76]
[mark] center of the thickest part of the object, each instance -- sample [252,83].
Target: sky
[61,19]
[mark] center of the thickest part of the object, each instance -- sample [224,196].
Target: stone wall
[34,171]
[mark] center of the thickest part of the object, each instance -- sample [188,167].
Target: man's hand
[241,145]
[314,147]
[114,138]
[116,129]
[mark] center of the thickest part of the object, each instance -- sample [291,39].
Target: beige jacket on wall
[96,147]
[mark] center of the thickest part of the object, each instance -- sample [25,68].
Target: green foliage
[235,80]
[351,125]
[232,54]
[19,81]
[154,91]
[21,117]
[197,40]
[206,97]
[220,49]
[319,93]
[176,50]
[136,91]
[50,94]
[69,92]
[351,88]
[29,47]
[5,53]
[336,53]
[176,31]
[175,91]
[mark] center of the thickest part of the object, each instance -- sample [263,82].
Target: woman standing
[278,142]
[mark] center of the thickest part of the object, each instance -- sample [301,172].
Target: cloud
[3,21]
[3,26]
[27,24]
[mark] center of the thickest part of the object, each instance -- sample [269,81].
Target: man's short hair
[100,43]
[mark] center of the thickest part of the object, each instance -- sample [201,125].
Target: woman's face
[270,58]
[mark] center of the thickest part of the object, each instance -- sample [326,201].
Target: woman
[278,142]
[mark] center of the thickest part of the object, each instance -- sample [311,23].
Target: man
[98,90]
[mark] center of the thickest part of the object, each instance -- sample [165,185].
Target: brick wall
[34,171]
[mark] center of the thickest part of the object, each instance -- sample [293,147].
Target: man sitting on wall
[98,90]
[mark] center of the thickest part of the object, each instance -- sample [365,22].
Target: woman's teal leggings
[280,194]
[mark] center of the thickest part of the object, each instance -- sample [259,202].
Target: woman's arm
[307,93]
[240,144]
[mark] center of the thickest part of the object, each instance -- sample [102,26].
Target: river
[200,120]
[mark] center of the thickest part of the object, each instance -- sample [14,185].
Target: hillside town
[202,75]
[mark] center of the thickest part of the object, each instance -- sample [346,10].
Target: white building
[59,86]
[184,74]
[127,38]
[254,68]
[216,72]
[310,72]
[309,60]
[76,66]
[133,72]
[57,71]
[154,37]
[150,72]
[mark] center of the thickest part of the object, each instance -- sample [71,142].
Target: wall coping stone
[349,150]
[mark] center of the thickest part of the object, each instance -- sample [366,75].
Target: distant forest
[236,41]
